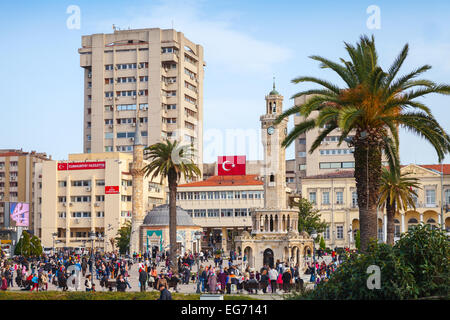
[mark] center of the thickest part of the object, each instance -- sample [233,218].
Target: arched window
[272,178]
[413,220]
[274,109]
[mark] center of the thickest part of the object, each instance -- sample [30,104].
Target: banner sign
[231,165]
[81,165]
[20,214]
[112,190]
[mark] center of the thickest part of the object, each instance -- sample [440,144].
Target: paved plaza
[182,288]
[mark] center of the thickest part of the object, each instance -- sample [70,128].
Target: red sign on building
[231,165]
[81,165]
[112,190]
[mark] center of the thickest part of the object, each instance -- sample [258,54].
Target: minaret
[137,174]
[274,154]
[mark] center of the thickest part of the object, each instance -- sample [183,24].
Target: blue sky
[245,44]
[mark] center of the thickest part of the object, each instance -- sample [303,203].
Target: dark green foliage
[427,252]
[322,243]
[308,217]
[358,240]
[123,237]
[416,266]
[28,245]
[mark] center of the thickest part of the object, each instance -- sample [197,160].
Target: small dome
[159,216]
[274,93]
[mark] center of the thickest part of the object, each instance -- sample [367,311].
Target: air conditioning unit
[115,67]
[89,75]
[76,221]
[97,204]
[111,126]
[110,98]
[13,178]
[133,124]
[64,204]
[134,97]
[70,204]
[88,189]
[131,139]
[140,66]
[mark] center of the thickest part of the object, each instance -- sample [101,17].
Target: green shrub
[416,266]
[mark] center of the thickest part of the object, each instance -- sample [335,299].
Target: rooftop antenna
[172,24]
[114,27]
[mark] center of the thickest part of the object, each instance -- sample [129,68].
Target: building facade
[17,170]
[222,205]
[147,77]
[334,195]
[89,193]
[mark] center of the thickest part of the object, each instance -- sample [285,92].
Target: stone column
[421,217]
[224,239]
[385,228]
[137,198]
[403,223]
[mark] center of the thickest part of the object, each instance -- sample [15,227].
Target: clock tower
[274,171]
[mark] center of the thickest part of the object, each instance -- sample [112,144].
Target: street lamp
[314,236]
[92,237]
[198,236]
[54,235]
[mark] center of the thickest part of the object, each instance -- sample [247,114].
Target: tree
[368,110]
[123,237]
[322,243]
[358,240]
[28,245]
[396,192]
[171,160]
[308,217]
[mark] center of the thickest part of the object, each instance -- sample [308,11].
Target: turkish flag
[231,165]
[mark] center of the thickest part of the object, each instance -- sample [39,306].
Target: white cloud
[225,47]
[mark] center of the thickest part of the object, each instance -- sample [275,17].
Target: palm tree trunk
[367,175]
[390,212]
[172,177]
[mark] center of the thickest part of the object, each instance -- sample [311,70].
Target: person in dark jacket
[143,277]
[286,277]
[121,284]
[165,294]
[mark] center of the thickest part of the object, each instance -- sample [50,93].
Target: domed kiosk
[155,230]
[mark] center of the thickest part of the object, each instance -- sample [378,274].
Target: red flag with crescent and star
[231,165]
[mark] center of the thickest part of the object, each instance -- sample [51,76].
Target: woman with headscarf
[212,281]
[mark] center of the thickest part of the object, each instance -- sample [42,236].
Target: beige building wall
[341,211]
[17,169]
[108,212]
[165,82]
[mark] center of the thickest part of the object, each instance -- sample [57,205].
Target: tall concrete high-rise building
[158,72]
[17,170]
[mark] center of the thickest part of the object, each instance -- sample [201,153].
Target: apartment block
[17,169]
[89,193]
[147,77]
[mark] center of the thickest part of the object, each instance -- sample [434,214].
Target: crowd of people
[155,272]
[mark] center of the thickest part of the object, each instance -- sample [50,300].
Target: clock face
[270,130]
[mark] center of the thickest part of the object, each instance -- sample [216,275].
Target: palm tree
[171,160]
[396,192]
[368,110]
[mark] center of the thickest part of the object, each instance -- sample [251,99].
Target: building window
[302,141]
[339,197]
[100,214]
[100,183]
[302,153]
[302,167]
[354,199]
[430,196]
[312,197]
[326,197]
[339,232]
[326,233]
